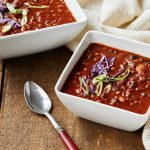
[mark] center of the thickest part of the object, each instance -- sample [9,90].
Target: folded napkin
[146,136]
[128,18]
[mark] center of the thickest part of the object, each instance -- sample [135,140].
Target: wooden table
[20,129]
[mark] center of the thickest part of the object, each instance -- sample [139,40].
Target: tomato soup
[26,15]
[113,77]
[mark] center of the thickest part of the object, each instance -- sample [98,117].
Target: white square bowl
[44,39]
[98,112]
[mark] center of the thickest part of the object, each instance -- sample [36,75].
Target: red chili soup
[24,15]
[112,77]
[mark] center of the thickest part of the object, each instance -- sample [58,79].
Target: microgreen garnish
[24,17]
[6,28]
[107,88]
[12,9]
[126,73]
[100,76]
[13,23]
[99,82]
[102,66]
[9,24]
[99,88]
[24,12]
[83,85]
[99,79]
[23,20]
[38,6]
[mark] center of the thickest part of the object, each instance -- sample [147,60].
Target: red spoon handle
[70,145]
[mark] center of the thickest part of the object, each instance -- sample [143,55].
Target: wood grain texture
[23,130]
[1,79]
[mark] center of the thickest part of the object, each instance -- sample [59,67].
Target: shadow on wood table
[20,129]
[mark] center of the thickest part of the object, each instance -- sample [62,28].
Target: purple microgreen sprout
[100,73]
[13,23]
[9,24]
[102,66]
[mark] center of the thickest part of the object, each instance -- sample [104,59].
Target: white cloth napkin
[128,18]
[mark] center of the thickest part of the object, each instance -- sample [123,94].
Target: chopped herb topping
[12,9]
[126,73]
[83,85]
[103,66]
[10,23]
[6,28]
[107,88]
[24,19]
[38,6]
[100,76]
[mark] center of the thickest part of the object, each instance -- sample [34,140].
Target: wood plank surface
[1,79]
[20,129]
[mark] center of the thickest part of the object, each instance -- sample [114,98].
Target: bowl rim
[66,69]
[29,32]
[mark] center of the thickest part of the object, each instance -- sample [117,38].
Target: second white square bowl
[30,42]
[94,111]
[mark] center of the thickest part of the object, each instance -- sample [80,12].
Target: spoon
[39,102]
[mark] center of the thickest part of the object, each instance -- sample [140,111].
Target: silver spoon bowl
[39,102]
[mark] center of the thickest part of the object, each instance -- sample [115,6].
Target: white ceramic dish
[44,39]
[97,112]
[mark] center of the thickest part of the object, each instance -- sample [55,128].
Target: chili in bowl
[28,26]
[107,80]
